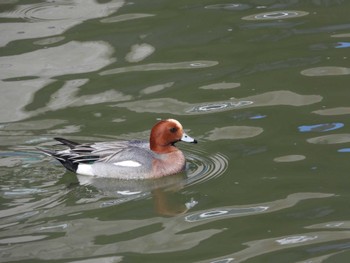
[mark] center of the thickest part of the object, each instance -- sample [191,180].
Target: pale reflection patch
[66,130]
[156,88]
[234,132]
[125,17]
[161,66]
[67,96]
[296,239]
[325,71]
[333,111]
[51,18]
[139,52]
[21,239]
[115,259]
[319,259]
[289,158]
[330,139]
[341,35]
[173,106]
[13,91]
[331,225]
[48,41]
[219,86]
[70,58]
[43,124]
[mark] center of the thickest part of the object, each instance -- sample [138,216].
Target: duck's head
[165,134]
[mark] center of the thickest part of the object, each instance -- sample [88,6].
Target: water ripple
[245,210]
[229,7]
[218,106]
[203,167]
[43,12]
[276,15]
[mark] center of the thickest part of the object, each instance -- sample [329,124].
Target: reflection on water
[176,231]
[220,86]
[333,111]
[234,132]
[264,246]
[124,17]
[49,41]
[70,58]
[326,71]
[238,211]
[229,212]
[156,88]
[260,247]
[52,18]
[173,106]
[235,71]
[330,139]
[229,7]
[203,166]
[218,106]
[289,158]
[324,127]
[276,15]
[139,52]
[161,66]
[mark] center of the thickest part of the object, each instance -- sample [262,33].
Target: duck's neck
[160,148]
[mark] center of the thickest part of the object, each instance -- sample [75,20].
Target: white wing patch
[85,169]
[128,163]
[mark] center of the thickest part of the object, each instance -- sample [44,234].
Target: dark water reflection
[263,86]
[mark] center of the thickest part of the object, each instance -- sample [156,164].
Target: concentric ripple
[44,12]
[202,167]
[218,106]
[286,14]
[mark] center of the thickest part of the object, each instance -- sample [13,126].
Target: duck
[127,159]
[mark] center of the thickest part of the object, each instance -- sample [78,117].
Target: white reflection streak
[231,212]
[239,211]
[295,239]
[161,66]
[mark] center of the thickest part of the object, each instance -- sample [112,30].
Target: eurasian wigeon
[132,159]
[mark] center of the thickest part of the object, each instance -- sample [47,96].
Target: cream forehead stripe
[176,122]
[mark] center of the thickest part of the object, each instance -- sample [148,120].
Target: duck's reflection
[164,192]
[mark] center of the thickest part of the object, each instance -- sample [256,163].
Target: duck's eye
[173,130]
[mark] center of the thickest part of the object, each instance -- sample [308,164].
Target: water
[263,86]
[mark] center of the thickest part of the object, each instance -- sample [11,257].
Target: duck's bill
[186,138]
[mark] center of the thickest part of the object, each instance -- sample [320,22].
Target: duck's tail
[64,157]
[66,142]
